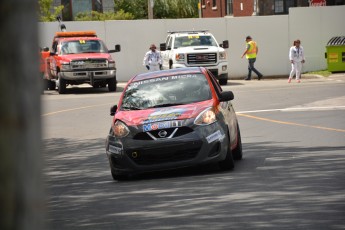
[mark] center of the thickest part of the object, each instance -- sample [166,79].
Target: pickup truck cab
[195,48]
[80,57]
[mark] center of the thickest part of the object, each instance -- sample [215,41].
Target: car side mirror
[162,47]
[117,49]
[225,44]
[113,110]
[226,96]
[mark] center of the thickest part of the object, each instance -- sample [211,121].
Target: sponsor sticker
[164,115]
[161,125]
[215,136]
[114,149]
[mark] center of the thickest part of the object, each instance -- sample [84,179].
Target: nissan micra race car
[171,119]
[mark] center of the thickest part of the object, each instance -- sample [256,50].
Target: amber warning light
[76,34]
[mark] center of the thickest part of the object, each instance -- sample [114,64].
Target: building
[73,7]
[239,8]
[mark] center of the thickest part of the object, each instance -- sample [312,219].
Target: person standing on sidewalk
[251,53]
[296,56]
[153,59]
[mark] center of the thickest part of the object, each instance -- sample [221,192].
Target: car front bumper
[205,144]
[88,74]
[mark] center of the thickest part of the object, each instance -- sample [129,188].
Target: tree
[138,8]
[97,16]
[176,8]
[161,9]
[45,12]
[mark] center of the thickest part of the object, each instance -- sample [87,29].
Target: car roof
[170,72]
[187,32]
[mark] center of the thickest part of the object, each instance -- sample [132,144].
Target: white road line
[295,109]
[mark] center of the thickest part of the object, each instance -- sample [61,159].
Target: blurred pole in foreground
[22,204]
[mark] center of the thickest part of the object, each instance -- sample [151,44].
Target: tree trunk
[21,186]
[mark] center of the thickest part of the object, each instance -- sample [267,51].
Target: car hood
[181,112]
[84,56]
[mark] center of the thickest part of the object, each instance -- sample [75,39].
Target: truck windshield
[83,46]
[194,40]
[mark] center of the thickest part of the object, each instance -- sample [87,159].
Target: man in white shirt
[153,59]
[296,56]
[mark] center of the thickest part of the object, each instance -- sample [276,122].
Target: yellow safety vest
[251,53]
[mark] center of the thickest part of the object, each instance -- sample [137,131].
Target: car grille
[170,132]
[201,58]
[168,154]
[89,63]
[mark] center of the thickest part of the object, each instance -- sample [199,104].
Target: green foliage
[161,9]
[45,12]
[136,7]
[176,9]
[97,16]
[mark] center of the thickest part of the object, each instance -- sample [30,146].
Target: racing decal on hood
[164,115]
[215,136]
[161,125]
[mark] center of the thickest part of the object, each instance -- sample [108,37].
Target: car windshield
[166,91]
[83,46]
[194,40]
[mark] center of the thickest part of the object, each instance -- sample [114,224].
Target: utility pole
[21,183]
[150,4]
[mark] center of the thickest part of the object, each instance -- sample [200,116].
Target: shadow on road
[273,187]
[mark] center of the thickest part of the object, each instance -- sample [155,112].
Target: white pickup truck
[195,48]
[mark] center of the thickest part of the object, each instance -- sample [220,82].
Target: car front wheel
[228,162]
[237,152]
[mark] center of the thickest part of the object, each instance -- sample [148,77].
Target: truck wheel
[62,85]
[223,81]
[112,84]
[51,85]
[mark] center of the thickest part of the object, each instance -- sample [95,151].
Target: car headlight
[222,56]
[120,129]
[179,57]
[65,66]
[206,117]
[111,64]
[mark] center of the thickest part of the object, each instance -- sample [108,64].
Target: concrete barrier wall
[314,26]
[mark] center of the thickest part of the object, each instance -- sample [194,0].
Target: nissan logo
[162,133]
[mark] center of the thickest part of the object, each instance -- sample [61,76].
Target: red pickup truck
[80,57]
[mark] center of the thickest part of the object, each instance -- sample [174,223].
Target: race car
[171,119]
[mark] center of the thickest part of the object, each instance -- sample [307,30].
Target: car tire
[228,162]
[112,84]
[237,152]
[51,85]
[223,81]
[62,85]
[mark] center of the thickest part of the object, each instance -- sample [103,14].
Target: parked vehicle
[196,48]
[170,119]
[80,57]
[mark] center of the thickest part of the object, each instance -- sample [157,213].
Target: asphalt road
[292,175]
